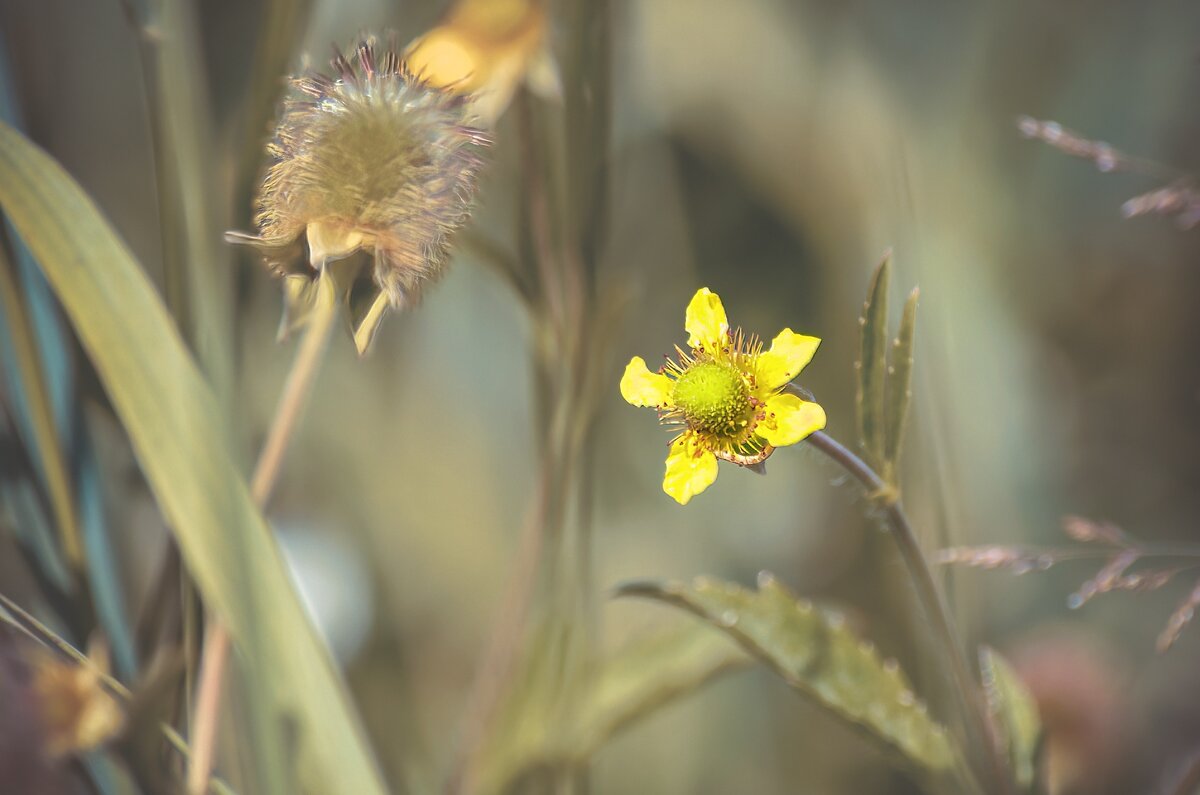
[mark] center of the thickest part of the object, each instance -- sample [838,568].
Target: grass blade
[197,268]
[104,571]
[283,23]
[57,368]
[649,673]
[34,403]
[180,441]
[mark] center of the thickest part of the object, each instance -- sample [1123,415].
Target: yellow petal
[789,419]
[485,49]
[641,387]
[705,321]
[789,354]
[690,469]
[444,58]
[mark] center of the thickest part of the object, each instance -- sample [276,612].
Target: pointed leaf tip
[1014,715]
[814,652]
[872,370]
[899,387]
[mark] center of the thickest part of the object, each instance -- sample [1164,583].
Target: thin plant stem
[557,299]
[929,595]
[207,708]
[500,655]
[290,409]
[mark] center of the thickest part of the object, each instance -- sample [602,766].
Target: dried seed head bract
[370,158]
[1180,198]
[1120,551]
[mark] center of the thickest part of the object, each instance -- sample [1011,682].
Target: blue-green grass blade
[181,442]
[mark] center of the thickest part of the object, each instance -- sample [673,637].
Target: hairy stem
[288,412]
[934,605]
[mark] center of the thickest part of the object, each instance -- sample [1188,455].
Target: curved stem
[292,400]
[928,594]
[296,390]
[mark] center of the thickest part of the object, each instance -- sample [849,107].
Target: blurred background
[770,150]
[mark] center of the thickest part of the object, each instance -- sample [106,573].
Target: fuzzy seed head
[372,158]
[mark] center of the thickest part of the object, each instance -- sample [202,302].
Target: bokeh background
[771,150]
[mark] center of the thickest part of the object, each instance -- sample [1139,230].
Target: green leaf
[281,29]
[45,446]
[649,673]
[1014,715]
[899,388]
[58,369]
[528,727]
[815,653]
[181,444]
[588,122]
[872,363]
[197,269]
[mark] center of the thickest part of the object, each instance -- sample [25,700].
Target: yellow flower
[726,394]
[77,713]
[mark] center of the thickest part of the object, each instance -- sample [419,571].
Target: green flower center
[714,399]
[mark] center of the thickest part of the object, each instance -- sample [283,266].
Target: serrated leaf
[899,387]
[1014,715]
[181,443]
[815,653]
[649,673]
[872,363]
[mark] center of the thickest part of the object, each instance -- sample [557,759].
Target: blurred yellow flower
[486,49]
[726,395]
[77,713]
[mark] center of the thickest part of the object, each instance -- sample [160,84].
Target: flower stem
[288,412]
[930,596]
